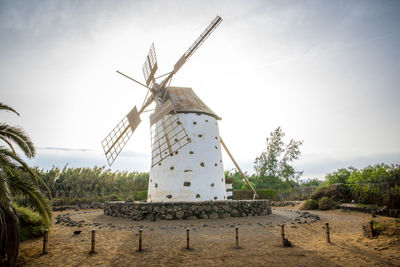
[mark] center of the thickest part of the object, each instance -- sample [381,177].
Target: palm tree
[16,178]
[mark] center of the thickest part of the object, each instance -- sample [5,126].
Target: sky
[327,72]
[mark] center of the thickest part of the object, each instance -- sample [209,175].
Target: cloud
[64,149]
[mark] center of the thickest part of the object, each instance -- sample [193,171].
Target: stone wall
[93,205]
[384,211]
[285,203]
[187,210]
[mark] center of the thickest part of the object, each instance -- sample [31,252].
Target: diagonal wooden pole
[237,167]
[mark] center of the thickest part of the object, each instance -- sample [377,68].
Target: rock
[180,215]
[287,243]
[213,215]
[234,213]
[187,210]
[152,217]
[138,217]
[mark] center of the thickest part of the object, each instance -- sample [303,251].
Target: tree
[275,163]
[340,176]
[314,182]
[16,178]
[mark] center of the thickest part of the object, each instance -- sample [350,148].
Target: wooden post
[93,247]
[371,229]
[328,238]
[45,241]
[237,237]
[238,168]
[140,240]
[283,234]
[187,238]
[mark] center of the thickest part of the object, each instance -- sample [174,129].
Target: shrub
[30,223]
[140,195]
[267,193]
[114,197]
[310,204]
[325,203]
[242,194]
[335,192]
[262,194]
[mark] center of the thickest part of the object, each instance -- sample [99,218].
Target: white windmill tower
[186,146]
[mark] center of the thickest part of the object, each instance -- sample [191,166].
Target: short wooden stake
[283,234]
[140,240]
[237,237]
[45,241]
[187,238]
[93,247]
[371,229]
[328,238]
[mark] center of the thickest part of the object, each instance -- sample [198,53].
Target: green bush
[242,194]
[338,192]
[114,197]
[140,195]
[267,193]
[310,204]
[30,223]
[326,203]
[262,194]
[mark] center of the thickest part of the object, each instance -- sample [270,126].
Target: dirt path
[213,241]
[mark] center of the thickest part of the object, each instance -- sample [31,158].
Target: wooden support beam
[237,167]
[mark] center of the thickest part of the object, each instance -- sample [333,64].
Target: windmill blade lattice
[167,136]
[119,136]
[150,66]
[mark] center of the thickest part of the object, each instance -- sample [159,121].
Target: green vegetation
[31,224]
[273,167]
[98,184]
[373,186]
[262,194]
[17,180]
[310,204]
[325,203]
[274,174]
[337,192]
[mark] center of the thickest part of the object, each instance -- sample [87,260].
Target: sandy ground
[213,242]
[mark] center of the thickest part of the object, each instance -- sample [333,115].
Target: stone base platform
[187,210]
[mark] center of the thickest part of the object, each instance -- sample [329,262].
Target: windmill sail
[150,66]
[213,25]
[167,133]
[119,136]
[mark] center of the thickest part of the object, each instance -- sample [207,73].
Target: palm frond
[8,108]
[17,135]
[9,144]
[7,154]
[5,196]
[37,199]
[5,160]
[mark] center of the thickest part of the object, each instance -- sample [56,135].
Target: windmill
[186,162]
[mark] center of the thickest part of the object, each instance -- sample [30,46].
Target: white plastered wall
[196,172]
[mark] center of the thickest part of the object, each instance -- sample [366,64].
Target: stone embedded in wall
[188,210]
